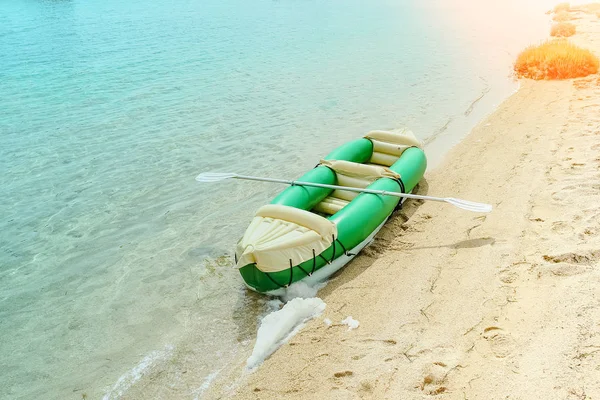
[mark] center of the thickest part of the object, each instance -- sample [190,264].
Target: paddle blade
[470,205]
[207,177]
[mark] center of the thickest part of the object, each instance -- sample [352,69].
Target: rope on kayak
[324,259]
[291,274]
[346,253]
[333,254]
[303,270]
[401,183]
[314,267]
[299,266]
[402,190]
[273,280]
[402,186]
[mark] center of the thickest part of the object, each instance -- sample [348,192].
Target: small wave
[469,110]
[438,132]
[206,384]
[132,376]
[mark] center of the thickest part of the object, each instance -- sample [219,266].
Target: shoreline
[504,303]
[440,143]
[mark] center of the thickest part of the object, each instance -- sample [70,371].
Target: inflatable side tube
[307,197]
[359,151]
[411,166]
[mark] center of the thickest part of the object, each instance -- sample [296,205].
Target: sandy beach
[504,305]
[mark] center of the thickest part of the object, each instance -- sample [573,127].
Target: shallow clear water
[109,251]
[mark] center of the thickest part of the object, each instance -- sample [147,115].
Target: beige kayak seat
[354,175]
[389,146]
[281,236]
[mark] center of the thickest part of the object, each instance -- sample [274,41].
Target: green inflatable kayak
[308,233]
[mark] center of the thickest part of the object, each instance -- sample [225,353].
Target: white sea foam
[302,290]
[351,322]
[133,375]
[279,326]
[274,305]
[327,321]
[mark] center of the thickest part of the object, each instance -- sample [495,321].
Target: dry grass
[562,29]
[557,59]
[562,16]
[562,7]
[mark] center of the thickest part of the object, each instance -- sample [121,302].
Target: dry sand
[465,306]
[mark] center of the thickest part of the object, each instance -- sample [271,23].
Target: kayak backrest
[358,175]
[354,175]
[281,236]
[322,226]
[389,146]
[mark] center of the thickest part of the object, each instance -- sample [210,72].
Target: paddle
[207,177]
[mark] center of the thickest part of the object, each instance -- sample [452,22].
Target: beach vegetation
[562,16]
[562,7]
[555,59]
[562,29]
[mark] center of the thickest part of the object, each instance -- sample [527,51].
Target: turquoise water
[111,255]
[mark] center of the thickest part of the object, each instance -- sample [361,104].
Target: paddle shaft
[350,189]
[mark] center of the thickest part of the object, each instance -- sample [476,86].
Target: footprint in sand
[343,374]
[568,193]
[587,232]
[564,269]
[585,258]
[569,264]
[507,276]
[592,215]
[501,343]
[562,228]
[559,196]
[434,379]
